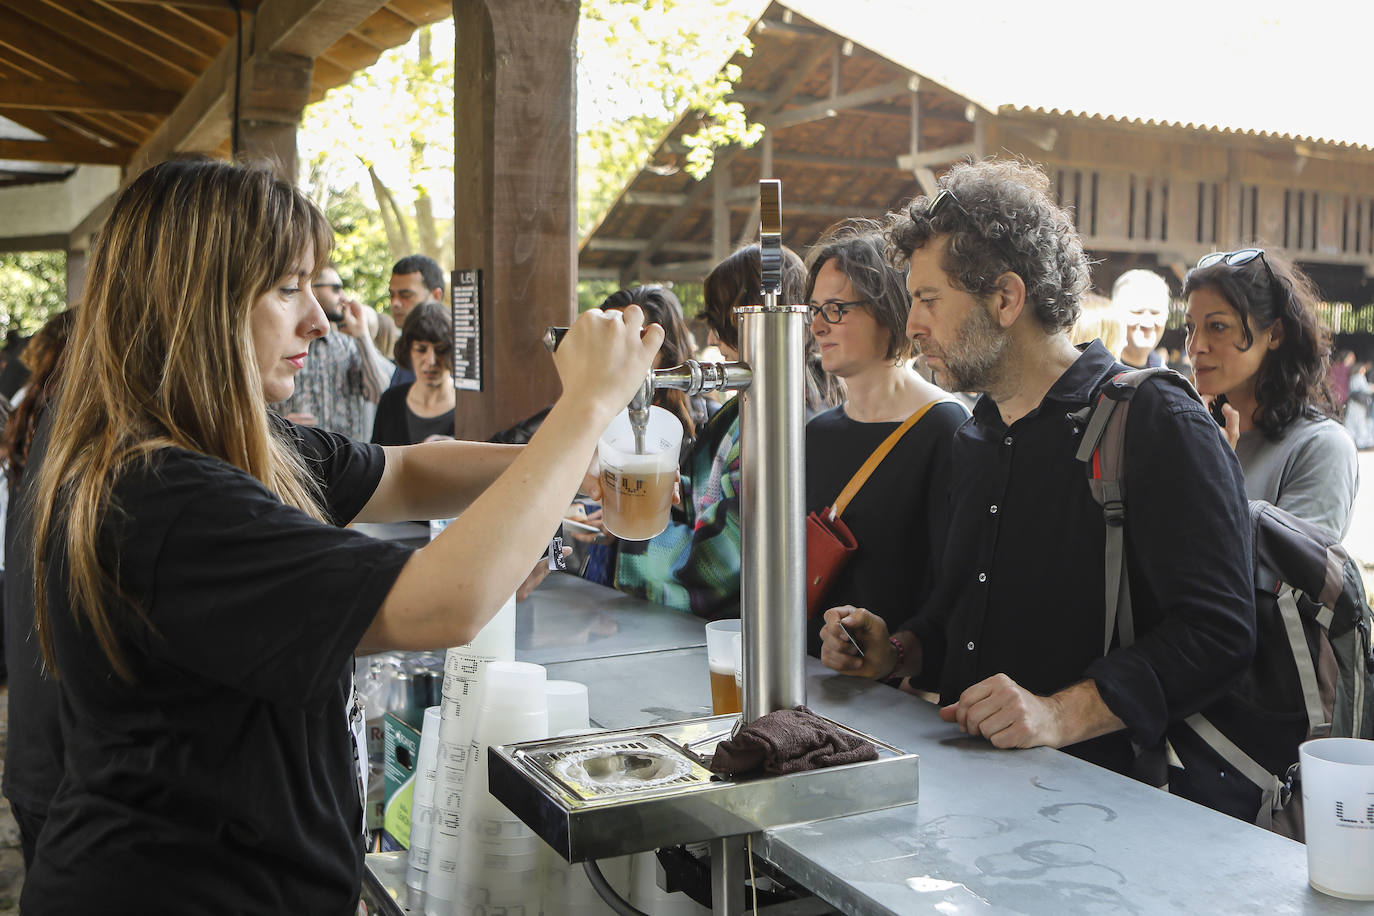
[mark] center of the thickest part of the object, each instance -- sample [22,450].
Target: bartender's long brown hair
[162,357]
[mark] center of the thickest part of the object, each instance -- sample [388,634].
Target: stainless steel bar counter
[1032,831]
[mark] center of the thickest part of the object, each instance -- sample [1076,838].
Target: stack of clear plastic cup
[422,810]
[464,667]
[499,862]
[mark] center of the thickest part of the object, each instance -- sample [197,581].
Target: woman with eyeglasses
[859,306]
[1259,357]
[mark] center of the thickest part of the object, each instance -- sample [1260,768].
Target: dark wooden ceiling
[94,79]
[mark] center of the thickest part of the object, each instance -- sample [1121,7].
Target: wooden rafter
[801,66]
[55,51]
[145,56]
[247,5]
[48,151]
[54,96]
[176,27]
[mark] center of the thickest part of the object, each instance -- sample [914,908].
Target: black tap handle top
[553,337]
[770,235]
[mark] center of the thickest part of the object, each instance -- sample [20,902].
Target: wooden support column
[270,112]
[514,196]
[76,275]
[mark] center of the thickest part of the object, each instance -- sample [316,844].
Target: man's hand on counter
[1009,715]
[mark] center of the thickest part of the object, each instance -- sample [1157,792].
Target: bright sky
[1287,67]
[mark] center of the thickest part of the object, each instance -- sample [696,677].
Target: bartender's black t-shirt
[222,779]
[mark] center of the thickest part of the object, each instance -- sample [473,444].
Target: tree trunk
[393,218]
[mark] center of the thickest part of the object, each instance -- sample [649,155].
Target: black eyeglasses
[832,311]
[336,287]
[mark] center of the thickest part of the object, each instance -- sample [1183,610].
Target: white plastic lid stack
[567,706]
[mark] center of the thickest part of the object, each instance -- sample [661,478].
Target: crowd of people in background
[950,297]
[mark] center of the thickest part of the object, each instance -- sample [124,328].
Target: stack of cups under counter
[462,696]
[422,810]
[500,859]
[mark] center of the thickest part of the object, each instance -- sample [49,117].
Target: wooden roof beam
[828,108]
[48,151]
[305,28]
[802,64]
[247,5]
[51,95]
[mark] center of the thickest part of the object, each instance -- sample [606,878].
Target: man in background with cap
[1142,297]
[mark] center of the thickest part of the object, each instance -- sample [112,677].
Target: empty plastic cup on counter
[567,706]
[637,490]
[1338,815]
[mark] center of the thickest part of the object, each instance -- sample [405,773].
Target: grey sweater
[1312,471]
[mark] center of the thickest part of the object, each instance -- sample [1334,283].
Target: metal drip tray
[615,793]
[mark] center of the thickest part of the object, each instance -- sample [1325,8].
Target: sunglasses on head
[942,201]
[1238,259]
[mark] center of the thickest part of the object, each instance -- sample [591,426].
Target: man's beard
[971,363]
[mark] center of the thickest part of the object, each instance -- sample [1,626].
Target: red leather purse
[829,542]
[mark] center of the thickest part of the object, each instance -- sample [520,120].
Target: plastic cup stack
[422,810]
[464,667]
[499,858]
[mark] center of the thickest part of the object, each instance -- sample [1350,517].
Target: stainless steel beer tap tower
[637,789]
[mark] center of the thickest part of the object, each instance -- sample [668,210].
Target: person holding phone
[194,593]
[344,373]
[1259,358]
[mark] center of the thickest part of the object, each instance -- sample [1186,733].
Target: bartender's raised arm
[450,588]
[435,479]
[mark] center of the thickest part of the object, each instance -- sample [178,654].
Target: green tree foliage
[33,287]
[377,155]
[642,63]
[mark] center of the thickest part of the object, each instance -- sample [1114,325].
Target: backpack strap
[1103,450]
[1270,786]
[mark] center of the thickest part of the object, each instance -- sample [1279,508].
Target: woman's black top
[223,778]
[397,424]
[898,517]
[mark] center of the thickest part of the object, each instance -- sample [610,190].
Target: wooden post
[514,196]
[76,275]
[274,96]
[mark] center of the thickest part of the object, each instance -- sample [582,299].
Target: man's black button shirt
[1021,588]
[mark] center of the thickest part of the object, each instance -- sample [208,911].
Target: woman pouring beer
[194,595]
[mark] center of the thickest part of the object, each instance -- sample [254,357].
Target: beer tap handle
[770,239]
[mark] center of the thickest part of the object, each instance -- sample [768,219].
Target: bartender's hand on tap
[869,631]
[606,356]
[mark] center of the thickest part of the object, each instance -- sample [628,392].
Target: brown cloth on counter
[789,741]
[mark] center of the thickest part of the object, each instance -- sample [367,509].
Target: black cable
[234,146]
[606,892]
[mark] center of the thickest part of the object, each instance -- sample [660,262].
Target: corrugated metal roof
[1271,68]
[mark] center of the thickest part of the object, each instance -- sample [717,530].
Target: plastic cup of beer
[1338,815]
[722,656]
[637,490]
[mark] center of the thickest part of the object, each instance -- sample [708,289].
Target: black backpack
[1313,671]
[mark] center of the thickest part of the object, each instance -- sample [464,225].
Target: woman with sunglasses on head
[859,305]
[1258,356]
[195,595]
